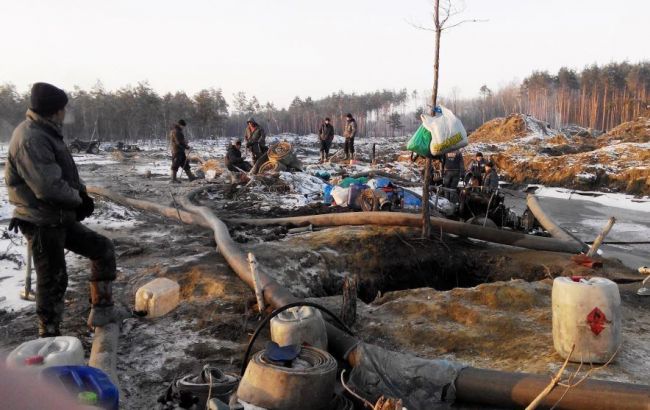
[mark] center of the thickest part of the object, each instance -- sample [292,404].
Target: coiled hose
[279,310]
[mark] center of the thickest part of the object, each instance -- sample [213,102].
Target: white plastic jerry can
[46,352]
[158,297]
[587,313]
[299,325]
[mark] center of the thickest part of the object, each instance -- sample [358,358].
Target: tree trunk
[426,222]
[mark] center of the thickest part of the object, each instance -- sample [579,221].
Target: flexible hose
[276,312]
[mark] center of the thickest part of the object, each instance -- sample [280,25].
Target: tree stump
[349,303]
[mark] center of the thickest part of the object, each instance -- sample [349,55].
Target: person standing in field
[453,169]
[326,136]
[349,133]
[50,202]
[255,138]
[179,145]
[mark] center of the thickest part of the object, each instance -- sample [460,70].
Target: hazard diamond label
[597,320]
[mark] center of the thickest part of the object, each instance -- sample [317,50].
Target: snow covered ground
[579,211]
[605,199]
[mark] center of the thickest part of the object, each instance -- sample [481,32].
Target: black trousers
[258,150]
[325,146]
[48,249]
[349,146]
[179,160]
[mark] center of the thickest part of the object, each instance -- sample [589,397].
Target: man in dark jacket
[50,200]
[349,133]
[326,136]
[234,160]
[453,169]
[255,138]
[179,145]
[491,178]
[476,168]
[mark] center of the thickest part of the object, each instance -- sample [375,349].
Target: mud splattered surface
[478,315]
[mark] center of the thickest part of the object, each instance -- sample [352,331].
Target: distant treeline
[597,97]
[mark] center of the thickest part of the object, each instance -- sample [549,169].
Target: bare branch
[465,21]
[445,14]
[419,26]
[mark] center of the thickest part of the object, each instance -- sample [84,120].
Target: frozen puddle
[605,199]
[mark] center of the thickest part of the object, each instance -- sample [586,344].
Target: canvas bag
[447,132]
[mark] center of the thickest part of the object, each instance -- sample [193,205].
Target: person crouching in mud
[234,160]
[179,145]
[43,184]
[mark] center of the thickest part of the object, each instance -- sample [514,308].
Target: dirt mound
[619,167]
[512,127]
[526,151]
[501,325]
[632,131]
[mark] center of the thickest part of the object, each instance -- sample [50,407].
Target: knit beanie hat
[47,99]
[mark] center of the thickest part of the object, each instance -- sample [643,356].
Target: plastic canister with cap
[587,313]
[299,325]
[46,352]
[158,297]
[88,385]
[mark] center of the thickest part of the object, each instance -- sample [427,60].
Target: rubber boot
[48,329]
[51,326]
[102,311]
[190,176]
[174,179]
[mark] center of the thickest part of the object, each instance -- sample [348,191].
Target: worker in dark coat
[50,202]
[234,160]
[349,132]
[179,146]
[255,138]
[491,177]
[453,169]
[326,136]
[476,169]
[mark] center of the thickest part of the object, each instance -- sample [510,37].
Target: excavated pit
[385,259]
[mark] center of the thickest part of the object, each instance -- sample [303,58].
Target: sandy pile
[527,151]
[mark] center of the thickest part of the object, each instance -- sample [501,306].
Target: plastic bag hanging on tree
[447,131]
[420,141]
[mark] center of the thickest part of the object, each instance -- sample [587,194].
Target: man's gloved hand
[86,208]
[14,225]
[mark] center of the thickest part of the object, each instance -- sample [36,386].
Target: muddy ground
[483,305]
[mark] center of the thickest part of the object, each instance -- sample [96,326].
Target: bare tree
[441,16]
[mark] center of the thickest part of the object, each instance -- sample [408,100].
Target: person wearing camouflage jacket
[50,200]
[255,138]
[349,132]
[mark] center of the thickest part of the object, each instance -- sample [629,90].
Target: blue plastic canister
[411,201]
[84,379]
[327,195]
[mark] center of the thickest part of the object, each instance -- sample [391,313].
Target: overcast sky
[277,49]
